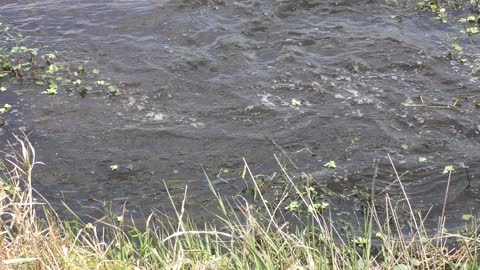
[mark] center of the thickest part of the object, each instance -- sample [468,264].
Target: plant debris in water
[17,61]
[461,14]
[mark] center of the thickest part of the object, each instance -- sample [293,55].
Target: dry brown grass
[244,237]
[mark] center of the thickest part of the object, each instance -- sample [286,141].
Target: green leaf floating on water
[457,47]
[472,30]
[471,18]
[114,167]
[52,88]
[77,82]
[90,226]
[52,69]
[448,169]
[293,206]
[95,71]
[360,241]
[318,207]
[101,82]
[7,106]
[404,146]
[330,164]
[467,217]
[112,89]
[296,102]
[4,74]
[49,56]
[422,159]
[3,89]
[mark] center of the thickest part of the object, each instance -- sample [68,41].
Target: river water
[204,83]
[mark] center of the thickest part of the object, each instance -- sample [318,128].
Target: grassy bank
[243,236]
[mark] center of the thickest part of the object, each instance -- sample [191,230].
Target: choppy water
[207,82]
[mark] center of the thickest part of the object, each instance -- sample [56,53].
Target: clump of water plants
[463,13]
[44,69]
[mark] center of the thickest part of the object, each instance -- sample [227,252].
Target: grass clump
[242,235]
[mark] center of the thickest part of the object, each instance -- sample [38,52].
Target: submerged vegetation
[263,235]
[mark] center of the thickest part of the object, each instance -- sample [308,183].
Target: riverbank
[242,235]
[217,83]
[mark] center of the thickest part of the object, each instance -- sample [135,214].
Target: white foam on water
[156,116]
[265,101]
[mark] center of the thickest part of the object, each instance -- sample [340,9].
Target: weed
[243,236]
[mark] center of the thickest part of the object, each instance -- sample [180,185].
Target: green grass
[243,236]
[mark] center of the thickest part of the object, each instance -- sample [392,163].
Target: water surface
[205,83]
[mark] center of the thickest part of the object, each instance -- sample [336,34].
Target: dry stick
[396,225]
[417,228]
[28,156]
[277,207]
[474,96]
[270,214]
[285,153]
[427,106]
[19,261]
[372,206]
[259,193]
[391,184]
[379,224]
[290,180]
[404,193]
[442,217]
[179,217]
[446,193]
[180,233]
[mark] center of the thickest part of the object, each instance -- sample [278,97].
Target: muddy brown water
[206,83]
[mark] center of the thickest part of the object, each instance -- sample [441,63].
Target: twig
[427,106]
[404,193]
[468,178]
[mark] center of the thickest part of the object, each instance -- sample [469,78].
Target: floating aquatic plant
[24,63]
[296,102]
[330,164]
[448,169]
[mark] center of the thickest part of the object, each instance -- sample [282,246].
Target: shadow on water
[205,83]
